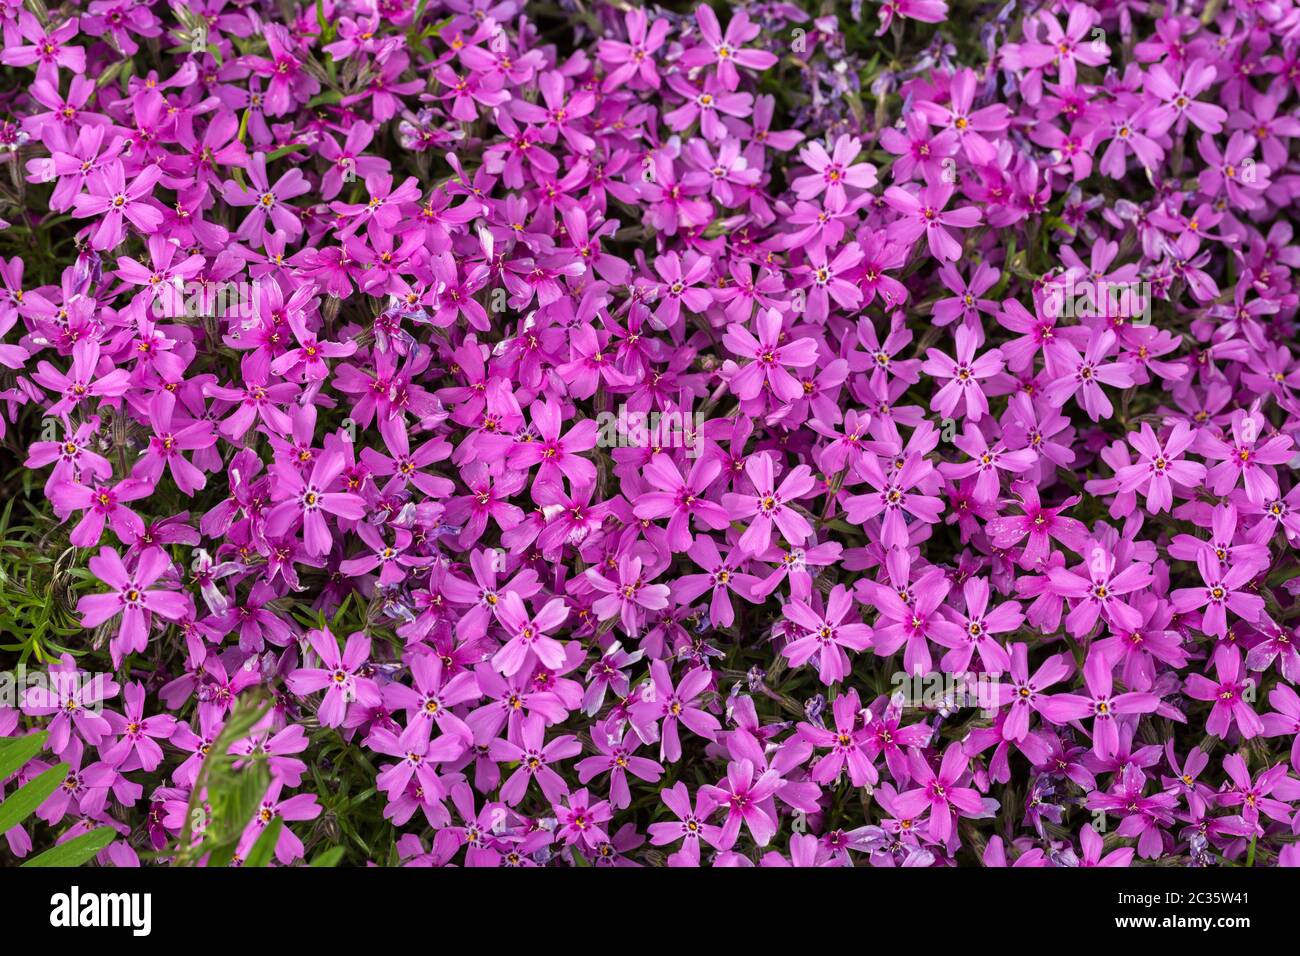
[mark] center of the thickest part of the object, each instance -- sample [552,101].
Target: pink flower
[662,701]
[940,794]
[923,215]
[963,376]
[1223,591]
[527,634]
[630,597]
[340,678]
[826,636]
[681,499]
[1227,694]
[132,597]
[770,358]
[634,59]
[770,505]
[1160,466]
[1085,374]
[832,171]
[309,500]
[1105,709]
[727,52]
[534,757]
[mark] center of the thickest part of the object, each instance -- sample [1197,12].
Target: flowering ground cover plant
[484,433]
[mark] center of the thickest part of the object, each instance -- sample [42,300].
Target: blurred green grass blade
[16,751]
[77,851]
[23,804]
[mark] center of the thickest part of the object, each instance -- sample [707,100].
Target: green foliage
[233,793]
[14,811]
[76,851]
[17,808]
[16,751]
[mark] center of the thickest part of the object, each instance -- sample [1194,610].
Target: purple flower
[339,678]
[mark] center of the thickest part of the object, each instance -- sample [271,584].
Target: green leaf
[285,151]
[324,99]
[75,852]
[23,804]
[219,857]
[16,751]
[329,857]
[260,854]
[327,29]
[436,29]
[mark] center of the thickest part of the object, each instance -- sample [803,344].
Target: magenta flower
[135,747]
[1160,466]
[84,381]
[923,214]
[73,700]
[940,794]
[689,827]
[267,201]
[721,577]
[49,49]
[727,52]
[832,171]
[416,754]
[1085,374]
[554,453]
[963,377]
[618,760]
[527,634]
[925,11]
[1027,690]
[770,506]
[662,701]
[1105,708]
[847,742]
[1177,90]
[308,500]
[1069,46]
[535,758]
[102,504]
[1040,524]
[826,636]
[635,58]
[630,597]
[969,126]
[340,678]
[112,199]
[744,793]
[288,847]
[1227,692]
[915,624]
[1091,844]
[1247,459]
[1223,591]
[132,597]
[770,358]
[978,625]
[682,499]
[288,81]
[1253,796]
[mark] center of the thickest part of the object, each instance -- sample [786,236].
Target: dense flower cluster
[588,435]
